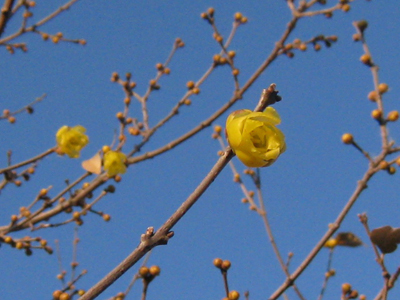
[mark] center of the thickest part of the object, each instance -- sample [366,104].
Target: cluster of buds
[192,87]
[223,265]
[63,295]
[127,84]
[59,36]
[360,26]
[348,292]
[12,47]
[179,43]
[26,244]
[148,274]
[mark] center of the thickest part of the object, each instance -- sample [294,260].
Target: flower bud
[383,88]
[347,138]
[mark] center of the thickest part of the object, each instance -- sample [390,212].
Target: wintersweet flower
[114,163]
[71,140]
[254,137]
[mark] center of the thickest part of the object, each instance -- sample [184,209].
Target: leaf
[93,165]
[348,239]
[386,238]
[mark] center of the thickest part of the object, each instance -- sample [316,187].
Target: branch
[362,184]
[149,240]
[5,14]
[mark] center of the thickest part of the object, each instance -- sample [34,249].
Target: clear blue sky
[324,95]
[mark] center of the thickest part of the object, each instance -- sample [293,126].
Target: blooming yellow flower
[254,137]
[71,140]
[114,163]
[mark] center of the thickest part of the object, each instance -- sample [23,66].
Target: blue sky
[324,95]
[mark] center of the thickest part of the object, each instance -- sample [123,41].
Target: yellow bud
[144,271]
[226,264]
[8,239]
[238,16]
[196,90]
[236,178]
[155,270]
[353,294]
[383,88]
[64,296]
[133,131]
[376,114]
[303,47]
[346,7]
[55,39]
[56,294]
[383,165]
[392,170]
[217,262]
[393,116]
[366,59]
[347,138]
[190,85]
[373,96]
[233,295]
[43,192]
[331,243]
[217,129]
[127,101]
[346,288]
[105,148]
[76,215]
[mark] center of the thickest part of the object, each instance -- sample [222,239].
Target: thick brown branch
[5,14]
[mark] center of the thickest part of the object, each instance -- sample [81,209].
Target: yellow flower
[331,243]
[71,140]
[114,163]
[254,137]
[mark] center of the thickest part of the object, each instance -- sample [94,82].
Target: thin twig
[24,29]
[327,274]
[361,185]
[29,161]
[263,214]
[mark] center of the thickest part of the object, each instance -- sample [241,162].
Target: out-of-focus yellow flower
[71,140]
[254,137]
[114,163]
[331,243]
